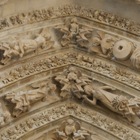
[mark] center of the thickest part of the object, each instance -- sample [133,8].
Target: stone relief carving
[99,42]
[71,129]
[69,10]
[123,49]
[4,116]
[23,100]
[73,82]
[18,47]
[74,34]
[103,43]
[48,115]
[112,71]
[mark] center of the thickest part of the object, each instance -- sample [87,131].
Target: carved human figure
[71,130]
[129,108]
[105,41]
[23,100]
[71,82]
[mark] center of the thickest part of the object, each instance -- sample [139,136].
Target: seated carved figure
[71,81]
[23,100]
[71,130]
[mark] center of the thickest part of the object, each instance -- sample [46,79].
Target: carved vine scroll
[69,10]
[46,116]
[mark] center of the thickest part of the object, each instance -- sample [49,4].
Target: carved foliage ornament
[71,129]
[23,100]
[44,117]
[68,10]
[99,66]
[73,34]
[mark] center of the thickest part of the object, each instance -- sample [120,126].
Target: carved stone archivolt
[51,114]
[72,34]
[54,72]
[69,10]
[82,87]
[97,65]
[24,99]
[17,47]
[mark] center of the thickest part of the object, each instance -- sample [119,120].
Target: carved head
[70,121]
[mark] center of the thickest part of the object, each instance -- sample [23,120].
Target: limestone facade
[69,70]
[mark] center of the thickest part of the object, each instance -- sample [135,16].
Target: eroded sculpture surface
[74,34]
[24,99]
[19,47]
[69,10]
[82,87]
[71,130]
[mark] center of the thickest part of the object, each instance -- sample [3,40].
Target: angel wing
[64,29]
[84,32]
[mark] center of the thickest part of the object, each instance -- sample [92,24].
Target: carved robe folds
[83,87]
[24,99]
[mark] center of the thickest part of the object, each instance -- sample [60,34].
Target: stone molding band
[91,63]
[44,117]
[102,17]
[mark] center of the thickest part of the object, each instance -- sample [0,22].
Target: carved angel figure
[104,41]
[73,33]
[23,100]
[129,108]
[71,82]
[20,47]
[71,130]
